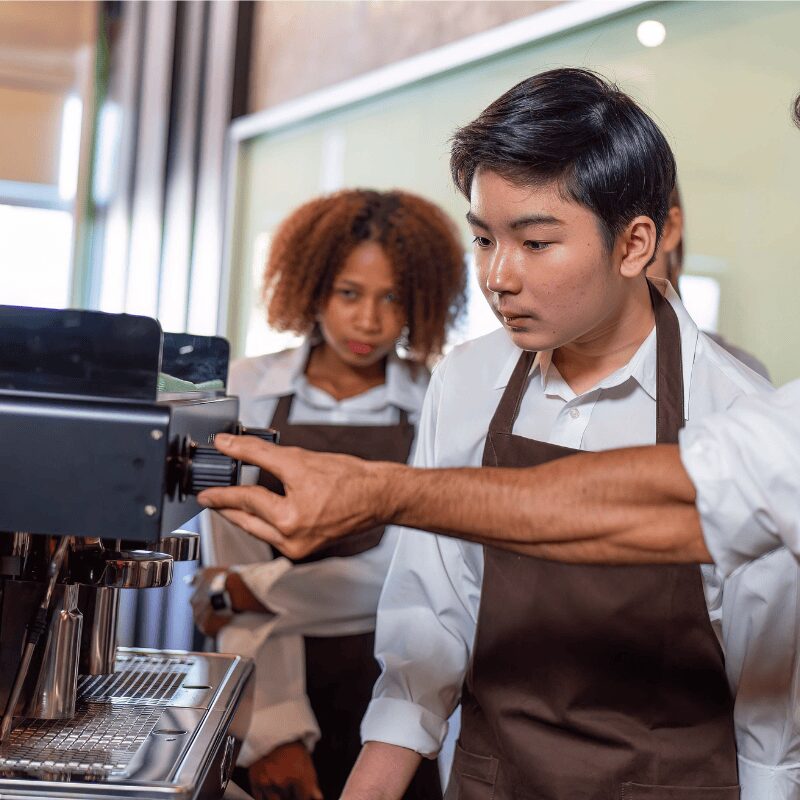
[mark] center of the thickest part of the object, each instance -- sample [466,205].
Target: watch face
[218,601]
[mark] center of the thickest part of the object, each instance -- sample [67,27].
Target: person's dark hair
[796,111]
[422,243]
[675,202]
[574,128]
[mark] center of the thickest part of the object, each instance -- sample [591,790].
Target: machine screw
[156,434]
[151,511]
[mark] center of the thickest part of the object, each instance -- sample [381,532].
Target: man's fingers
[252,450]
[255,499]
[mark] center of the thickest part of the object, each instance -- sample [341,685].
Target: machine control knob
[202,466]
[208,467]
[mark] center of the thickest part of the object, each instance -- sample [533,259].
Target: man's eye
[536,246]
[348,294]
[482,241]
[391,298]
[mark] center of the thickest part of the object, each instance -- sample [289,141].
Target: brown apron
[593,682]
[341,670]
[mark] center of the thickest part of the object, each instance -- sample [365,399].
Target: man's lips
[509,317]
[360,348]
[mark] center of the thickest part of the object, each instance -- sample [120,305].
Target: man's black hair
[574,128]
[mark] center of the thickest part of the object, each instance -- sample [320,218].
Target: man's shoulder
[720,377]
[484,350]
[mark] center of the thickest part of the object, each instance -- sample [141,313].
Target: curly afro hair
[312,244]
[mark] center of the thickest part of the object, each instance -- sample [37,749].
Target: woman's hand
[208,620]
[287,773]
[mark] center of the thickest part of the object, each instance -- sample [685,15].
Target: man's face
[542,264]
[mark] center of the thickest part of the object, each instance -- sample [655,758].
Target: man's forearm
[623,506]
[382,772]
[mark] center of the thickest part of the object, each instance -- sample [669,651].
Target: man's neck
[610,346]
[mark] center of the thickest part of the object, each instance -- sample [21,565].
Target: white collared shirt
[745,466]
[331,597]
[429,606]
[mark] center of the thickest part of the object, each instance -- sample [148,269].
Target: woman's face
[362,319]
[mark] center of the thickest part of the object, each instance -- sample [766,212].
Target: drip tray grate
[139,680]
[115,714]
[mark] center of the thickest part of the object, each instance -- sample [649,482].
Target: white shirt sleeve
[761,639]
[310,599]
[281,709]
[426,626]
[745,466]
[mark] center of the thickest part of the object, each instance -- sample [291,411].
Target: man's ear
[638,245]
[673,230]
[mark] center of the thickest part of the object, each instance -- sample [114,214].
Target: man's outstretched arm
[623,506]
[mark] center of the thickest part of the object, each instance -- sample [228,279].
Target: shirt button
[574,413]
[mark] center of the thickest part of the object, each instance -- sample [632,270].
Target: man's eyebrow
[521,222]
[535,219]
[476,221]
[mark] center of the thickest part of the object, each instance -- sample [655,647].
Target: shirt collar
[404,388]
[642,367]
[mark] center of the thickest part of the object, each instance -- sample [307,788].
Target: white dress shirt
[429,606]
[745,465]
[334,596]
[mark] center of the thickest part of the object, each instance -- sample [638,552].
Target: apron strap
[281,416]
[669,377]
[510,402]
[669,369]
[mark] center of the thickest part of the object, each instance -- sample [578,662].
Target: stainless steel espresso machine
[99,471]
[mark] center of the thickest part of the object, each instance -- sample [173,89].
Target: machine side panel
[83,468]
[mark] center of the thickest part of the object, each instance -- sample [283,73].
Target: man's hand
[208,620]
[287,773]
[327,496]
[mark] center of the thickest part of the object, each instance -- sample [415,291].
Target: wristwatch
[218,595]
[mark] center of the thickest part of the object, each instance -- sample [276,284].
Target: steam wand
[36,628]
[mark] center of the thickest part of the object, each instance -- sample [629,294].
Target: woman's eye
[348,294]
[536,246]
[481,241]
[391,298]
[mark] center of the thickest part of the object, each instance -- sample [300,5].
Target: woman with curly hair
[373,281]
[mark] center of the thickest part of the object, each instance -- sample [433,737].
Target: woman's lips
[360,348]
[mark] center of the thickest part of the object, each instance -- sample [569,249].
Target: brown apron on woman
[593,682]
[341,670]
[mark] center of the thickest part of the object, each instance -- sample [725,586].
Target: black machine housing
[92,448]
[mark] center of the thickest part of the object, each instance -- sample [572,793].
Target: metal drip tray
[140,679]
[154,728]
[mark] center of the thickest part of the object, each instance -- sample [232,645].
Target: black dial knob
[208,467]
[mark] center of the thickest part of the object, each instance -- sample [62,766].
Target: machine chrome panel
[163,725]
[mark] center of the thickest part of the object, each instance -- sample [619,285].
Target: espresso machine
[107,429]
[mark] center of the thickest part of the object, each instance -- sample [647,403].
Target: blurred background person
[373,281]
[669,264]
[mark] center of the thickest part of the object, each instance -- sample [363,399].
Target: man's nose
[502,277]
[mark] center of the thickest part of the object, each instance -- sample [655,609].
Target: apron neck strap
[669,377]
[669,369]
[281,416]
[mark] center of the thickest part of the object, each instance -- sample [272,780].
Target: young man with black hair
[576,682]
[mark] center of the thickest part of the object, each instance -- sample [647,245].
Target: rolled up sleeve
[424,636]
[308,598]
[426,624]
[745,466]
[761,638]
